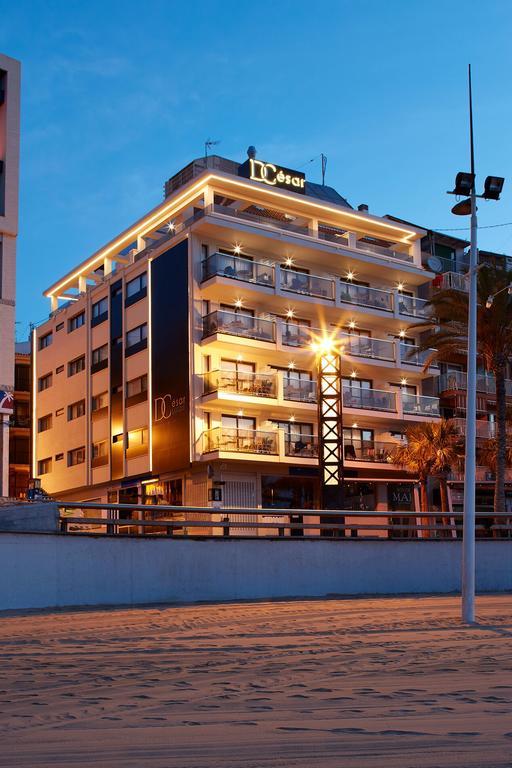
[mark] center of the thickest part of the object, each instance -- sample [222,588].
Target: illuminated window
[76,456]
[44,466]
[137,386]
[137,442]
[99,401]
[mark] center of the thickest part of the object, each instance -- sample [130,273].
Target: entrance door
[240,491]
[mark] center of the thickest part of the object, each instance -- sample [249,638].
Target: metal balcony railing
[457,380]
[241,383]
[238,268]
[307,285]
[419,405]
[369,399]
[383,251]
[369,450]
[238,324]
[367,346]
[258,218]
[240,441]
[412,355]
[364,296]
[484,429]
[299,391]
[412,306]
[301,446]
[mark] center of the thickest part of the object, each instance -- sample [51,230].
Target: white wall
[48,570]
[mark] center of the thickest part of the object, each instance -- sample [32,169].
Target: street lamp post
[465,184]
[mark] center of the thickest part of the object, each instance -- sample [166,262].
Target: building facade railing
[420,405]
[369,450]
[241,383]
[361,295]
[238,268]
[308,285]
[240,441]
[239,324]
[301,446]
[369,399]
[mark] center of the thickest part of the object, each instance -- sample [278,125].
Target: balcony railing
[411,354]
[238,268]
[412,306]
[457,380]
[366,346]
[419,405]
[241,383]
[237,324]
[258,218]
[484,429]
[299,391]
[369,399]
[368,450]
[298,335]
[301,446]
[308,285]
[240,441]
[381,250]
[365,296]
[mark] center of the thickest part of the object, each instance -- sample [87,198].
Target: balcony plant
[447,332]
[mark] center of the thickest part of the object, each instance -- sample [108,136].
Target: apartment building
[178,363]
[19,425]
[9,172]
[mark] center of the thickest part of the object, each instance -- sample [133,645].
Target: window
[76,322]
[59,369]
[99,401]
[44,423]
[76,456]
[46,340]
[59,327]
[99,454]
[22,377]
[59,456]
[136,288]
[44,466]
[137,442]
[45,382]
[137,388]
[75,410]
[100,311]
[100,355]
[137,337]
[77,365]
[59,411]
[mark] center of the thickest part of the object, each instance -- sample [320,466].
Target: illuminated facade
[9,172]
[179,362]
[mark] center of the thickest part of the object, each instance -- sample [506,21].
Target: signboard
[274,175]
[6,402]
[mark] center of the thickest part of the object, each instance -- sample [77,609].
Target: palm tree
[447,333]
[432,449]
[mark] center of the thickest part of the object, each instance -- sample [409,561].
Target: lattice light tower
[330,426]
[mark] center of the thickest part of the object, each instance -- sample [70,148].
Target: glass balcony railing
[299,391]
[457,380]
[419,405]
[412,355]
[366,346]
[365,296]
[238,268]
[298,335]
[301,446]
[240,383]
[484,429]
[258,218]
[240,441]
[368,450]
[369,399]
[307,285]
[238,324]
[412,306]
[381,250]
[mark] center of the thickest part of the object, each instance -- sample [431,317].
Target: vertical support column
[82,284]
[415,252]
[330,428]
[352,239]
[107,266]
[313,227]
[54,303]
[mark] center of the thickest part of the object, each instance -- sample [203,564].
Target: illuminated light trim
[150,369]
[34,401]
[162,212]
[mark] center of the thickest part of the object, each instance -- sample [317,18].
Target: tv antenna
[209,143]
[324,166]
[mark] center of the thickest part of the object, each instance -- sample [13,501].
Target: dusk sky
[118,96]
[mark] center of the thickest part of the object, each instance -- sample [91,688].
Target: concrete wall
[32,517]
[49,570]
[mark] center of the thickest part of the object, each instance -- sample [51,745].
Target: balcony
[300,446]
[412,306]
[369,399]
[238,324]
[485,430]
[240,383]
[419,405]
[308,285]
[381,250]
[368,347]
[240,441]
[457,380]
[369,451]
[259,218]
[299,391]
[364,296]
[238,268]
[410,354]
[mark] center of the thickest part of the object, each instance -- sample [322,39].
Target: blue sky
[117,96]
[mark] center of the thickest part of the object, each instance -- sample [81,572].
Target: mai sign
[275,175]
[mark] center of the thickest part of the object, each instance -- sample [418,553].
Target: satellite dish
[435,264]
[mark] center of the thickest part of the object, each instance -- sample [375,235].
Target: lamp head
[492,187]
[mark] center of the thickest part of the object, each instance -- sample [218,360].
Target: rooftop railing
[238,268]
[238,324]
[383,251]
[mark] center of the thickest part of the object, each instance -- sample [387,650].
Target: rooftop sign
[273,175]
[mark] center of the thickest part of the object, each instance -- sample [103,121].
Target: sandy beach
[352,683]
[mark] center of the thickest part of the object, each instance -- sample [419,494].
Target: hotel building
[178,363]
[9,172]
